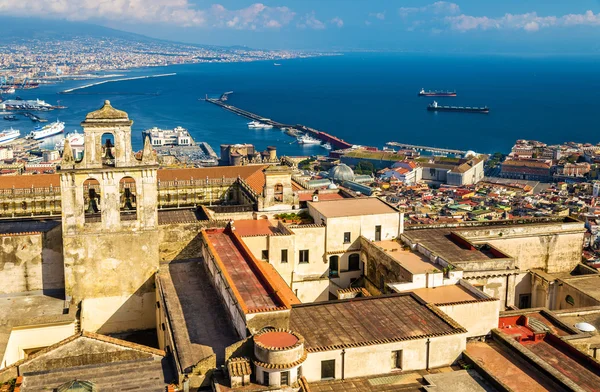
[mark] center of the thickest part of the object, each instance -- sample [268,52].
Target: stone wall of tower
[111,257]
[278,193]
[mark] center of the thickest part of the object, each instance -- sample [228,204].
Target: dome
[332,186]
[341,173]
[471,153]
[585,327]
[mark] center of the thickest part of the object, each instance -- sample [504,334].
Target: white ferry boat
[326,146]
[305,139]
[9,90]
[45,131]
[257,125]
[169,137]
[76,140]
[8,135]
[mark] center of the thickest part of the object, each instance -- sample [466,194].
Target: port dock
[323,136]
[433,150]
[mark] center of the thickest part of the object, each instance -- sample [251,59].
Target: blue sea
[366,99]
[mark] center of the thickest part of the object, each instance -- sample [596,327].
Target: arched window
[279,192]
[91,200]
[570,300]
[354,262]
[334,266]
[108,149]
[127,198]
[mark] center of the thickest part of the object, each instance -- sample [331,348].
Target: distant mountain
[14,29]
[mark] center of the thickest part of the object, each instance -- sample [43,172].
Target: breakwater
[323,136]
[76,89]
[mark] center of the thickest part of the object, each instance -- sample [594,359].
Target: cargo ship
[434,107]
[424,93]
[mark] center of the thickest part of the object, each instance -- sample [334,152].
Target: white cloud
[255,16]
[530,22]
[176,12]
[439,7]
[310,21]
[378,15]
[337,22]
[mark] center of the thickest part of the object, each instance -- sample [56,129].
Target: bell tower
[110,225]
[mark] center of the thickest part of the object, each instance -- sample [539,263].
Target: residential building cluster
[533,160]
[40,59]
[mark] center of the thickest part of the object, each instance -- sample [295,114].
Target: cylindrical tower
[279,355]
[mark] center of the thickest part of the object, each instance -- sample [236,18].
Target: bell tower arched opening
[91,200]
[128,199]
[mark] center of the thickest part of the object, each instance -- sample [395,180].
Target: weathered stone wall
[114,274]
[580,299]
[552,247]
[479,318]
[182,241]
[31,262]
[377,359]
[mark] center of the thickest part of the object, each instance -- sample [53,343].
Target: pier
[72,90]
[433,150]
[323,136]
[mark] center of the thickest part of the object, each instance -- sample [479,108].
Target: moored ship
[436,93]
[305,139]
[177,137]
[259,125]
[8,135]
[76,141]
[47,130]
[434,107]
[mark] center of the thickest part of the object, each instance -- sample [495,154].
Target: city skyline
[423,25]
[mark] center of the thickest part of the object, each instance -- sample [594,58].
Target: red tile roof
[252,174]
[29,181]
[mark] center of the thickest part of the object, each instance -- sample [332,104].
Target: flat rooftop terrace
[254,291]
[250,227]
[199,319]
[352,207]
[446,294]
[410,260]
[21,310]
[510,369]
[442,242]
[587,284]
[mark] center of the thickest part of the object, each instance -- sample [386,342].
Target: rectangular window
[377,233]
[284,258]
[285,378]
[303,256]
[397,359]
[266,378]
[328,369]
[347,237]
[524,301]
[265,255]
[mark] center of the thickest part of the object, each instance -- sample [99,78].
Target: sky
[503,26]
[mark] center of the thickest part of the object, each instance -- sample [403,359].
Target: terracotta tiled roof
[35,181]
[238,367]
[252,174]
[369,321]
